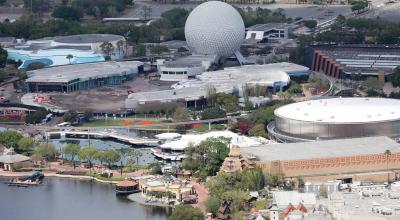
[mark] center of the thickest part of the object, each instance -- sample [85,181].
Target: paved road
[322,13]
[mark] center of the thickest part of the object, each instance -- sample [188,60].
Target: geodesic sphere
[214,28]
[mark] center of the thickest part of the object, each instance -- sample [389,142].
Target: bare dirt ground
[105,99]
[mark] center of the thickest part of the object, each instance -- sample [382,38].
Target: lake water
[67,199]
[145,158]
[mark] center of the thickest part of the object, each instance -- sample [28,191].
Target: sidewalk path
[202,193]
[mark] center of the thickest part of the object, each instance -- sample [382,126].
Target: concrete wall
[366,167]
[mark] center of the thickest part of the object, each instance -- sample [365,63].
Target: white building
[283,198]
[184,68]
[173,149]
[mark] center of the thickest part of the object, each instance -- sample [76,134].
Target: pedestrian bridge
[103,135]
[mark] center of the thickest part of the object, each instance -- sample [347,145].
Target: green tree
[68,13]
[395,77]
[3,57]
[100,156]
[310,23]
[70,116]
[258,130]
[237,198]
[211,95]
[10,139]
[155,168]
[130,156]
[69,57]
[107,49]
[373,83]
[89,154]
[359,5]
[212,204]
[26,145]
[206,158]
[111,157]
[186,212]
[120,45]
[253,179]
[175,17]
[211,113]
[46,151]
[36,117]
[139,50]
[88,115]
[158,49]
[72,150]
[227,102]
[181,114]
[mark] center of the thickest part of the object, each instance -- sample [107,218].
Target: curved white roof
[342,110]
[168,136]
[195,139]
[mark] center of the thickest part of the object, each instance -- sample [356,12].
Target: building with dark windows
[347,61]
[267,33]
[72,78]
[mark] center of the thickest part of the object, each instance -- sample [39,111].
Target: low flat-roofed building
[266,33]
[71,78]
[274,76]
[346,159]
[184,68]
[354,206]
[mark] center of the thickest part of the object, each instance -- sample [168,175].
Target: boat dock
[103,135]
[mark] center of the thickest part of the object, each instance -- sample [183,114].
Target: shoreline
[51,175]
[136,197]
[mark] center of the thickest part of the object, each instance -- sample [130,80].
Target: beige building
[10,158]
[235,162]
[346,159]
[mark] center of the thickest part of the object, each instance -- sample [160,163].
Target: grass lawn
[121,122]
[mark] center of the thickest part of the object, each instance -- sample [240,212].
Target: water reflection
[66,199]
[146,158]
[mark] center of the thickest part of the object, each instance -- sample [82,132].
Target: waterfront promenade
[102,135]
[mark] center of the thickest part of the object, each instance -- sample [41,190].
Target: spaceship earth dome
[214,28]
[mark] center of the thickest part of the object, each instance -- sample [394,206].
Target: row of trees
[350,31]
[169,27]
[43,150]
[261,15]
[75,9]
[127,156]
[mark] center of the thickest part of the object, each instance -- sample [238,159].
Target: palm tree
[107,48]
[387,154]
[120,43]
[69,57]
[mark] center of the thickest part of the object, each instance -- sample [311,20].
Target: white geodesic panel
[214,28]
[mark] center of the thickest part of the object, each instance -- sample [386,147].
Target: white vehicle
[64,124]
